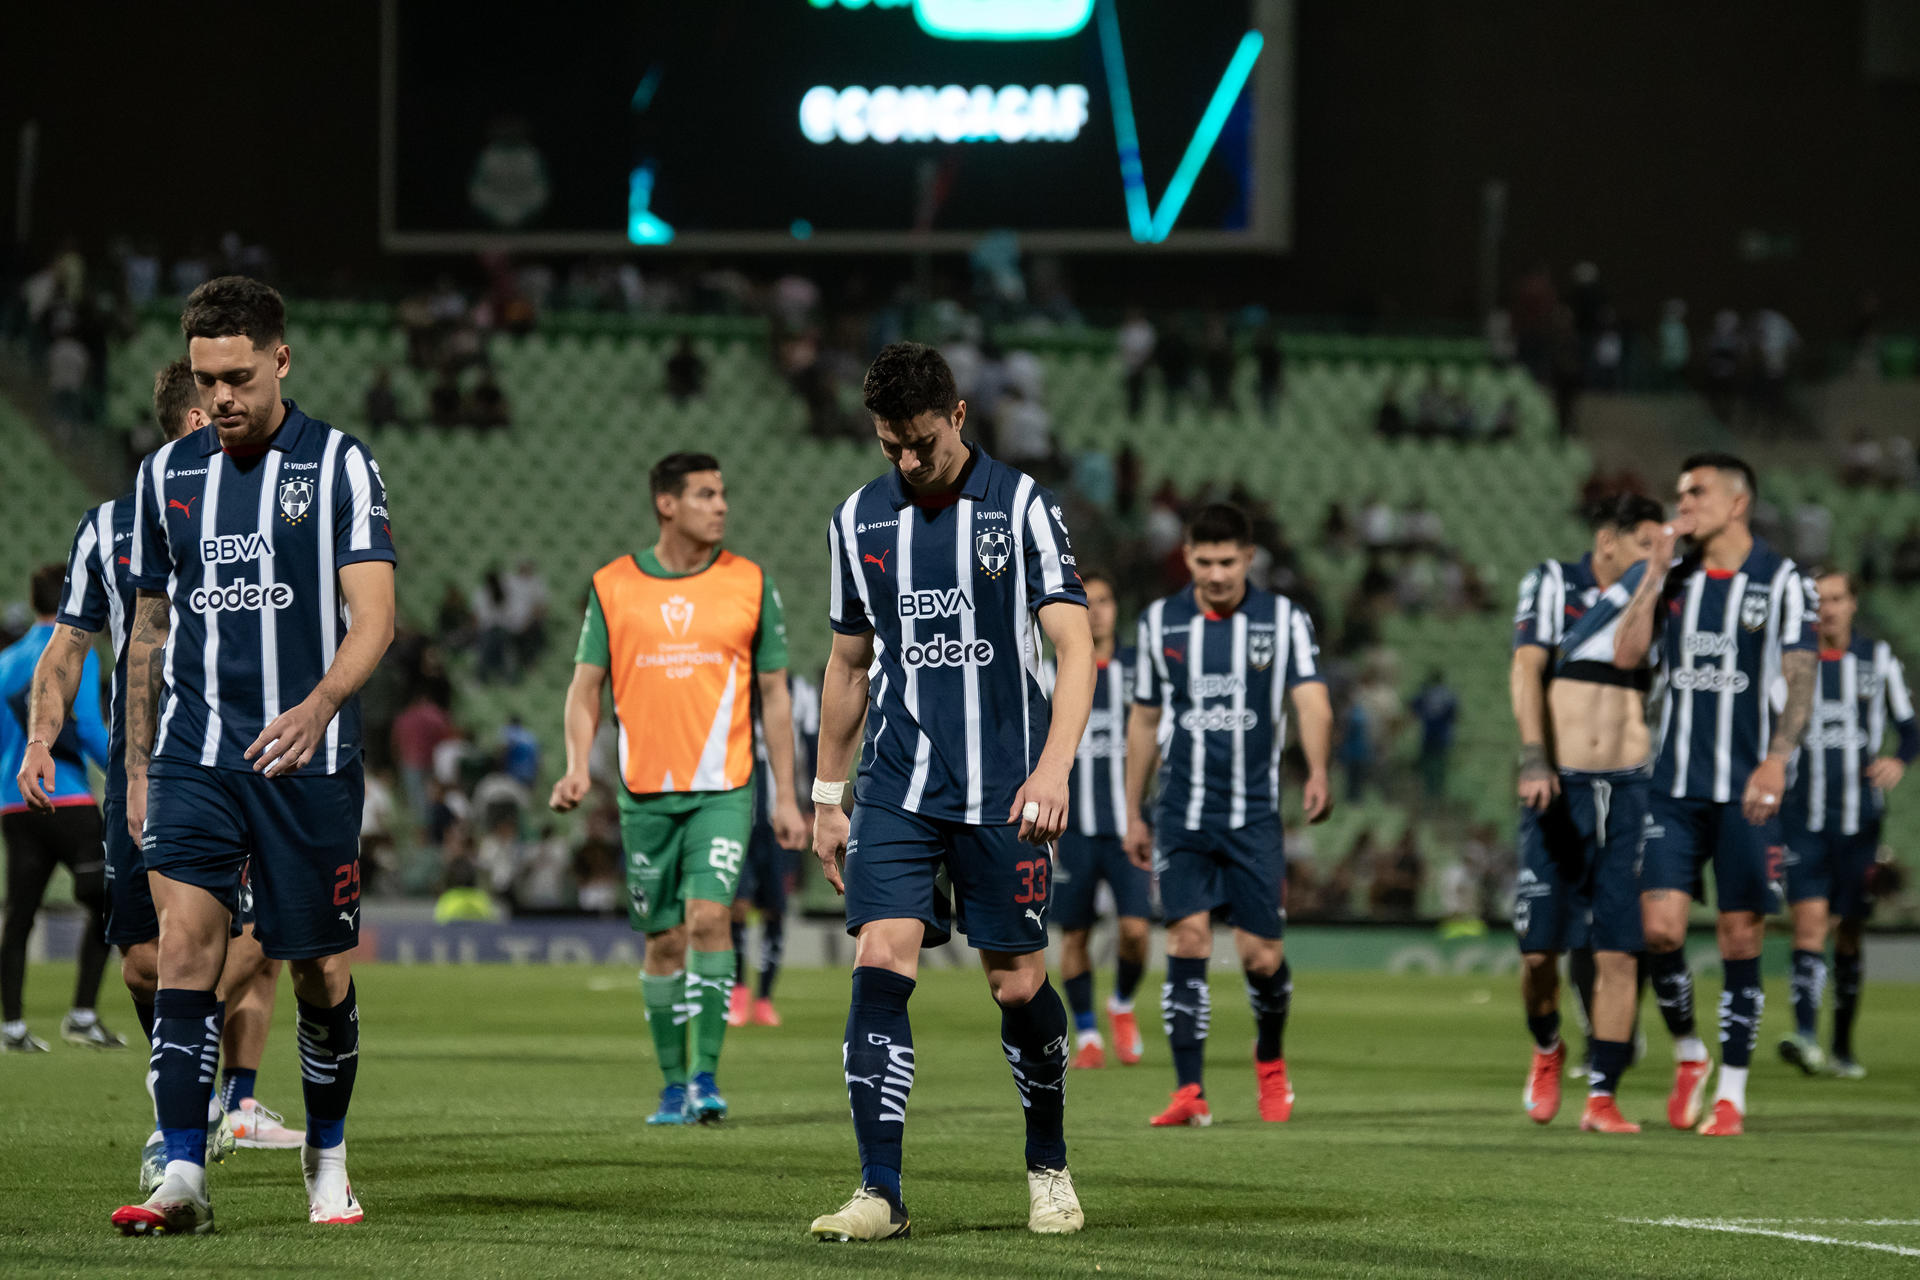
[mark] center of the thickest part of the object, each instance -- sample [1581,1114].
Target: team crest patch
[1260,649]
[1753,609]
[296,496]
[994,549]
[677,613]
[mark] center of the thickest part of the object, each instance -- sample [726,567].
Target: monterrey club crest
[295,497]
[1753,609]
[994,549]
[677,613]
[1260,649]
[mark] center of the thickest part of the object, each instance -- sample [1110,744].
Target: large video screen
[782,123]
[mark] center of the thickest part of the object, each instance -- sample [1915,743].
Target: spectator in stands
[69,376]
[417,731]
[1776,343]
[493,644]
[377,831]
[545,882]
[445,406]
[1174,354]
[1379,525]
[500,851]
[1269,369]
[453,621]
[597,866]
[381,408]
[1421,527]
[1675,345]
[1397,878]
[1217,359]
[1726,353]
[1136,341]
[486,406]
[1864,458]
[686,372]
[463,896]
[1905,571]
[1437,708]
[1609,351]
[1026,435]
[524,613]
[1390,421]
[1431,415]
[519,752]
[1812,533]
[1506,420]
[1357,750]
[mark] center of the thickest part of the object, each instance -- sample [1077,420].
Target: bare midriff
[1597,727]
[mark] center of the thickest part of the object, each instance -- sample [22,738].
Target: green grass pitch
[496,1132]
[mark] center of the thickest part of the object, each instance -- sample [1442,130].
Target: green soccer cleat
[1847,1069]
[704,1102]
[673,1107]
[1803,1052]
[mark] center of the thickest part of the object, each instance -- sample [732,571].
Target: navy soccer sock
[1080,1000]
[1271,998]
[1846,1001]
[1610,1061]
[143,1010]
[1126,981]
[1809,983]
[1186,1007]
[773,949]
[878,1058]
[329,1061]
[236,1083]
[1673,989]
[1545,1029]
[186,1047]
[739,930]
[1741,1004]
[1034,1036]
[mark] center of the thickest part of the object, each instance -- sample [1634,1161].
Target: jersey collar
[292,429]
[973,480]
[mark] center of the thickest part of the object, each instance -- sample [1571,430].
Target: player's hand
[1665,539]
[1884,773]
[1316,798]
[136,805]
[830,830]
[1539,787]
[290,739]
[36,778]
[1138,843]
[1047,789]
[569,791]
[789,830]
[1765,786]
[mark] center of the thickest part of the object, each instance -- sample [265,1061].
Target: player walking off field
[689,633]
[945,572]
[264,565]
[1216,662]
[1832,816]
[1730,619]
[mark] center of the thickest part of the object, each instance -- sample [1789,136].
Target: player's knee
[321,981]
[1191,937]
[1015,987]
[140,970]
[666,951]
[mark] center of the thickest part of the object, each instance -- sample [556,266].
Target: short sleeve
[83,601]
[593,649]
[1529,625]
[361,527]
[1800,614]
[770,649]
[1146,665]
[1051,568]
[152,555]
[846,605]
[1303,651]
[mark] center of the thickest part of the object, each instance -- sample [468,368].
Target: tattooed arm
[146,675]
[56,678]
[1800,668]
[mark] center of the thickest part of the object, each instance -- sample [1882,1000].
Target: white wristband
[828,792]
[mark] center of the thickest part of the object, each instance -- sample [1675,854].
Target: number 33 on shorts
[724,857]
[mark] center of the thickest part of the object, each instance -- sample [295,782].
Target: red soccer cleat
[1689,1092]
[739,1004]
[1725,1122]
[764,1014]
[1276,1092]
[1603,1116]
[1542,1095]
[1188,1108]
[1091,1057]
[1127,1045]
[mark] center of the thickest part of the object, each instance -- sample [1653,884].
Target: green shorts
[682,845]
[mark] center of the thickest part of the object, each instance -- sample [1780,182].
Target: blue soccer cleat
[704,1102]
[673,1107]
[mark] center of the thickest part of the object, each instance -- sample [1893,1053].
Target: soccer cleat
[173,1208]
[1846,1069]
[1276,1091]
[673,1107]
[330,1198]
[1803,1052]
[153,1164]
[1188,1107]
[764,1014]
[738,1006]
[1689,1092]
[220,1139]
[868,1216]
[1603,1116]
[1127,1045]
[1725,1122]
[1053,1207]
[1089,1057]
[1542,1094]
[704,1103]
[261,1129]
[90,1035]
[25,1042]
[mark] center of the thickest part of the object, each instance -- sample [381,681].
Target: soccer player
[688,632]
[1091,849]
[52,826]
[1832,818]
[264,565]
[1730,619]
[769,865]
[1595,742]
[945,571]
[1216,661]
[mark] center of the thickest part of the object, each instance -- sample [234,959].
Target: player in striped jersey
[1216,662]
[1832,817]
[1091,850]
[944,573]
[1730,619]
[769,865]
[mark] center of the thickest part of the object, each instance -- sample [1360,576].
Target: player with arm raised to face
[1729,620]
[264,565]
[945,572]
[1583,751]
[1216,662]
[1832,815]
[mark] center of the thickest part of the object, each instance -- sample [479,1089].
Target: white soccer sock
[1689,1049]
[15,1029]
[194,1175]
[82,1017]
[1117,1005]
[1087,1038]
[1733,1087]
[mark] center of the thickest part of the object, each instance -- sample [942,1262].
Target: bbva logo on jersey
[994,549]
[296,496]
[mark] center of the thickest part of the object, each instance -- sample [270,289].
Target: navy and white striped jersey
[99,597]
[248,550]
[1098,788]
[957,709]
[805,698]
[1859,689]
[1221,685]
[1553,598]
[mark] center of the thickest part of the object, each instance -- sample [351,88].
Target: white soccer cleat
[330,1198]
[260,1128]
[153,1164]
[90,1035]
[868,1216]
[1054,1206]
[173,1208]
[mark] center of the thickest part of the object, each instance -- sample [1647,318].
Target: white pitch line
[1836,1222]
[1741,1229]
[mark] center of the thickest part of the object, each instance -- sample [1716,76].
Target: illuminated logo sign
[986,19]
[922,113]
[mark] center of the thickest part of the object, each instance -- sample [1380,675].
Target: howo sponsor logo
[240,597]
[944,603]
[1709,644]
[1218,686]
[1218,720]
[1711,680]
[948,651]
[235,548]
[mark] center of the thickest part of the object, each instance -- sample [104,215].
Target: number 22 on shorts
[725,857]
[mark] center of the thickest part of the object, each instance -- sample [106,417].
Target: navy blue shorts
[1000,885]
[131,918]
[298,840]
[1683,836]
[1243,870]
[1827,864]
[1579,885]
[1080,864]
[764,871]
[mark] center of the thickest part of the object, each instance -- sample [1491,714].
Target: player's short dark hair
[1220,522]
[1852,580]
[173,394]
[1622,512]
[44,588]
[1725,462]
[669,475]
[230,305]
[906,380]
